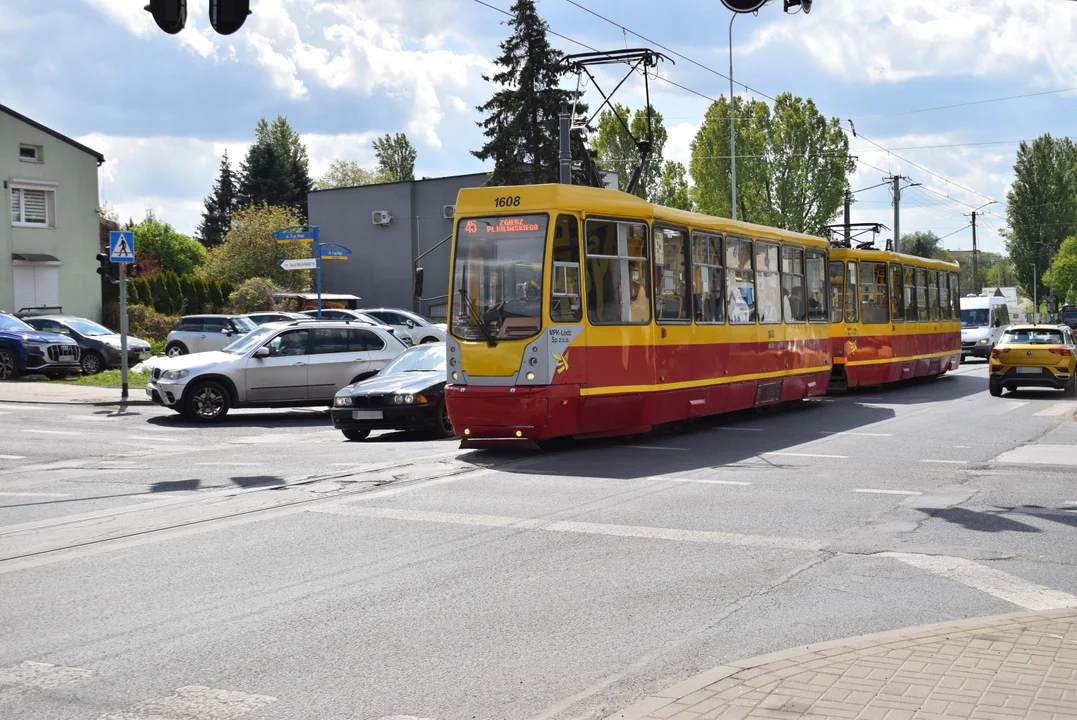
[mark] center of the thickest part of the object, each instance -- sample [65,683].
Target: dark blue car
[26,350]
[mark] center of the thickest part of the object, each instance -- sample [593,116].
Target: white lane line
[1070,502]
[858,434]
[962,447]
[194,701]
[1010,407]
[33,494]
[20,406]
[807,455]
[153,439]
[12,457]
[994,582]
[654,447]
[51,432]
[402,717]
[947,462]
[701,481]
[228,463]
[1057,409]
[585,528]
[887,492]
[29,676]
[738,429]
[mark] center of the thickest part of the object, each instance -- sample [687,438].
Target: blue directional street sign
[332,251]
[295,234]
[121,246]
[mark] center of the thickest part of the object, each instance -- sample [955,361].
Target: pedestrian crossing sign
[121,246]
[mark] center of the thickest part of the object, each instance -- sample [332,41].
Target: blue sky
[163,108]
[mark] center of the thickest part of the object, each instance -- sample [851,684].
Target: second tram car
[578,311]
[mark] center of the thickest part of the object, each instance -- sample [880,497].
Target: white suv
[291,364]
[404,322]
[200,333]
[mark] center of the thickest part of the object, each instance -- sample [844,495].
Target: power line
[921,167]
[964,104]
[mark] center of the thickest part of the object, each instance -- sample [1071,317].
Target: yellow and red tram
[578,311]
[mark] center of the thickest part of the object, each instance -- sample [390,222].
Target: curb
[91,403]
[656,701]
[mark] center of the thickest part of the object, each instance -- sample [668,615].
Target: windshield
[1033,337]
[7,322]
[497,281]
[244,324]
[975,318]
[89,328]
[1069,316]
[421,359]
[251,340]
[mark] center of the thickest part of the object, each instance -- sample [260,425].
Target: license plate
[366,415]
[1028,371]
[144,355]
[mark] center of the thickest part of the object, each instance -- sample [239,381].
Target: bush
[252,296]
[146,323]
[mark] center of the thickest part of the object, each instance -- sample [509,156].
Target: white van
[982,322]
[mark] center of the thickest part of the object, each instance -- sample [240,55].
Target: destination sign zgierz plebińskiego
[502,225]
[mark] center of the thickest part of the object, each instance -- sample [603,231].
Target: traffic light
[227,16]
[1052,304]
[107,269]
[170,15]
[132,270]
[805,5]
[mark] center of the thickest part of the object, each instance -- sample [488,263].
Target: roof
[50,131]
[891,256]
[1034,326]
[35,257]
[481,174]
[314,296]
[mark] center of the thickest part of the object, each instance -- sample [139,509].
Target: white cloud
[132,17]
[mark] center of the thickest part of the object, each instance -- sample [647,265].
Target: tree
[346,173]
[249,250]
[673,187]
[160,246]
[276,170]
[922,244]
[617,151]
[219,204]
[792,163]
[1041,206]
[253,295]
[293,155]
[396,157]
[520,126]
[1062,275]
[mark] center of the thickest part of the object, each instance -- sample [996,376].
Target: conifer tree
[220,204]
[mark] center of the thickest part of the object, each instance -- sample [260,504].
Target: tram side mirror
[418,282]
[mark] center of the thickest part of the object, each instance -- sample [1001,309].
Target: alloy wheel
[208,402]
[446,424]
[175,351]
[7,365]
[91,363]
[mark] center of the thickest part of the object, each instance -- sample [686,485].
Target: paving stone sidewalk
[57,393]
[1022,665]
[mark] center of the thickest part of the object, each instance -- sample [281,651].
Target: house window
[30,153]
[32,206]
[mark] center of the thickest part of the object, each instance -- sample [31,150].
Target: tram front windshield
[497,280]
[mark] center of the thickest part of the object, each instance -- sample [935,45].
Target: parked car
[303,362]
[261,318]
[25,349]
[408,394]
[201,333]
[404,322]
[1034,356]
[99,346]
[346,315]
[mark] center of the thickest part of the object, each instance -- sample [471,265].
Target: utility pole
[565,143]
[896,179]
[848,222]
[732,122]
[976,288]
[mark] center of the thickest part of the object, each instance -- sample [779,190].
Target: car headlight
[409,399]
[983,342]
[342,400]
[36,345]
[174,374]
[114,344]
[398,399]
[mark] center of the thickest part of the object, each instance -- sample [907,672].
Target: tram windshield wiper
[478,319]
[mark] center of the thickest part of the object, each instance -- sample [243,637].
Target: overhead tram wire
[921,167]
[964,104]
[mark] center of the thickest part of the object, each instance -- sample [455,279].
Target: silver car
[404,322]
[201,333]
[288,364]
[361,316]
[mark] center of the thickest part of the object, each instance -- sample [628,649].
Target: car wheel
[92,362]
[444,428]
[356,435]
[206,402]
[1071,387]
[175,349]
[9,368]
[995,389]
[427,340]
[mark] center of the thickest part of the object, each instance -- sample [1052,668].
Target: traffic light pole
[123,333]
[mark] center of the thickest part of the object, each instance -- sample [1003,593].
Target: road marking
[738,429]
[33,494]
[994,582]
[887,492]
[807,455]
[962,447]
[153,439]
[701,481]
[20,406]
[29,676]
[654,447]
[229,464]
[51,432]
[1010,407]
[1057,409]
[12,457]
[947,462]
[859,434]
[1040,455]
[194,702]
[1070,502]
[565,526]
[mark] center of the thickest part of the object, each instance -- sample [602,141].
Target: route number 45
[509,201]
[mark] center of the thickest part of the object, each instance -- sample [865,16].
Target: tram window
[618,282]
[933,294]
[955,295]
[793,299]
[850,292]
[944,296]
[909,286]
[565,296]
[921,295]
[707,278]
[874,297]
[837,290]
[768,282]
[897,293]
[816,284]
[740,281]
[670,276]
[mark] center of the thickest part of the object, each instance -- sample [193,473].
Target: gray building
[387,227]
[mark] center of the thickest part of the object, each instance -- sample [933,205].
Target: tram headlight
[530,376]
[455,375]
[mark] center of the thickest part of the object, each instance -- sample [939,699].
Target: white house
[48,244]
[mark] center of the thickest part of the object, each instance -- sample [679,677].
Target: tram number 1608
[508,201]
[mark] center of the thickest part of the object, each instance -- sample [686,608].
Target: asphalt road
[265,568]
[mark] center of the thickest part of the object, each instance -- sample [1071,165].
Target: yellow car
[1034,356]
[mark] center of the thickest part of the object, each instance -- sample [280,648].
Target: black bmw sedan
[408,394]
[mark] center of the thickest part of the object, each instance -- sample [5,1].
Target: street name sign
[121,246]
[299,264]
[335,252]
[295,234]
